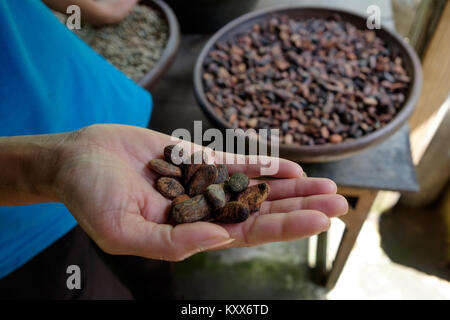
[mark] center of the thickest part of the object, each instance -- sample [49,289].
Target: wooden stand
[362,200]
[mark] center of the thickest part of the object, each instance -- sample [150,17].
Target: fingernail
[215,243]
[324,223]
[304,174]
[342,206]
[300,171]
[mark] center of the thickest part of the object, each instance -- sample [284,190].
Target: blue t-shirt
[51,81]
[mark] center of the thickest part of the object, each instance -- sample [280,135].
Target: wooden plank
[386,166]
[433,102]
[320,270]
[433,170]
[353,222]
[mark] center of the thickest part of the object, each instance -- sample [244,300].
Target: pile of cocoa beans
[319,81]
[205,192]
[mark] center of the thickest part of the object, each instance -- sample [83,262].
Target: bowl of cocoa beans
[329,84]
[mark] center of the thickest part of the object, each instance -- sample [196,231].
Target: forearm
[29,167]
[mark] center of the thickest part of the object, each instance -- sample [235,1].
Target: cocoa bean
[194,209]
[216,195]
[335,138]
[255,195]
[192,164]
[177,157]
[228,192]
[238,182]
[202,178]
[180,199]
[233,212]
[169,187]
[164,168]
[222,173]
[324,132]
[189,171]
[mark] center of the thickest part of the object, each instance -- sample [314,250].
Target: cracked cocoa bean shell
[164,168]
[169,187]
[233,212]
[254,196]
[194,209]
[202,178]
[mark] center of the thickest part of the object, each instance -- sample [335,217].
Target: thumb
[164,242]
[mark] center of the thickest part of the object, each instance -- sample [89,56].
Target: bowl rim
[328,149]
[149,80]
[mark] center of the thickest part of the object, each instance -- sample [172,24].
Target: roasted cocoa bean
[164,168]
[189,171]
[222,173]
[233,212]
[180,199]
[335,138]
[169,187]
[176,157]
[238,182]
[192,164]
[202,178]
[194,209]
[255,195]
[227,190]
[216,195]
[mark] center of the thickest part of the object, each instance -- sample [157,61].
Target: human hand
[114,11]
[97,13]
[103,179]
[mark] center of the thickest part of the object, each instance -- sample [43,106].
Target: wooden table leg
[360,202]
[353,223]
[320,270]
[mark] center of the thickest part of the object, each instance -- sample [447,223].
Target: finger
[162,241]
[300,187]
[259,229]
[256,166]
[332,205]
[252,166]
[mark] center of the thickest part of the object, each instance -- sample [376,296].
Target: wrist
[46,167]
[30,166]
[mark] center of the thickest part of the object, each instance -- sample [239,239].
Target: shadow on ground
[273,271]
[416,237]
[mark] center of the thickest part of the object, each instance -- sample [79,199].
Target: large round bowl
[173,41]
[326,152]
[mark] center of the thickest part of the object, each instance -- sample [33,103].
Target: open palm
[104,181]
